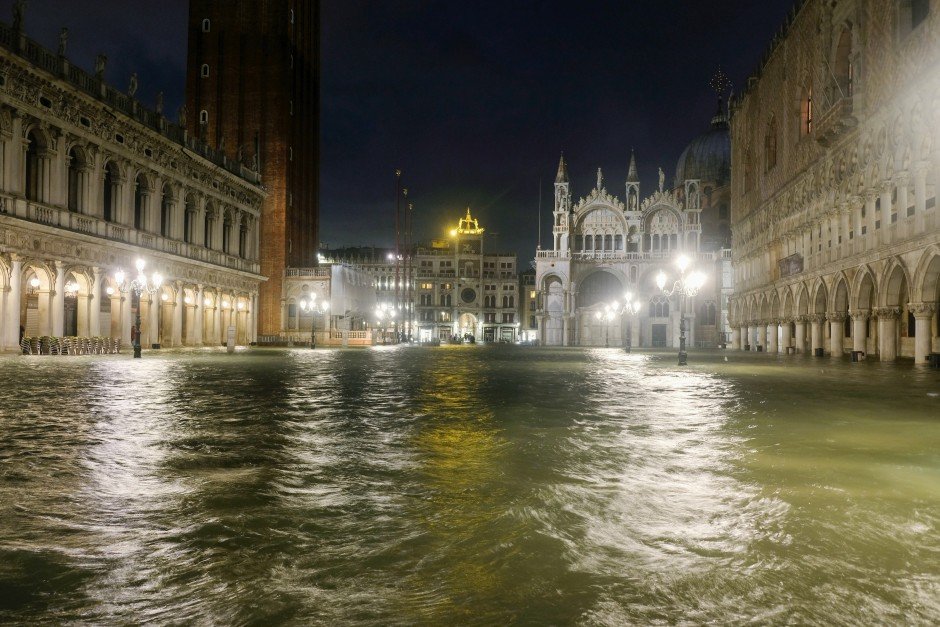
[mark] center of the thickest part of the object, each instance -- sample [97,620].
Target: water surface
[468,484]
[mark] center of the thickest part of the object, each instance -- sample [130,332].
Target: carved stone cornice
[836,316]
[816,318]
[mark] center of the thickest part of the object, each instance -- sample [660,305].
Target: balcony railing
[624,256]
[59,218]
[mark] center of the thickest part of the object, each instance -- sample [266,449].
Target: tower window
[205,25]
[290,153]
[203,117]
[291,16]
[204,72]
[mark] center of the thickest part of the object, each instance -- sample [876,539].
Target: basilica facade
[604,247]
[836,162]
[92,183]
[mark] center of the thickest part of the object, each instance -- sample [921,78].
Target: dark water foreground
[468,485]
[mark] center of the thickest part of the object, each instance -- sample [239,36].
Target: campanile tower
[252,90]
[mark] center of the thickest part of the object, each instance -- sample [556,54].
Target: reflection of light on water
[664,493]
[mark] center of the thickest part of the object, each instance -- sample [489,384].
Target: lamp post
[315,308]
[629,307]
[608,314]
[385,312]
[687,285]
[139,285]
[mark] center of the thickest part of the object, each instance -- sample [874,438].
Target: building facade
[836,163]
[252,93]
[464,292]
[603,248]
[91,182]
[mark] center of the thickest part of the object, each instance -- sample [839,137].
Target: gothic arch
[926,284]
[787,311]
[840,294]
[864,289]
[820,297]
[802,299]
[895,282]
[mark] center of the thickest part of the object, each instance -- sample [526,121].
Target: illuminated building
[603,248]
[91,181]
[836,163]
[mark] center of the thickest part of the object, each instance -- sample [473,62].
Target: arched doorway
[467,326]
[553,329]
[597,290]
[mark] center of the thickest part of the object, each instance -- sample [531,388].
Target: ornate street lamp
[139,285]
[687,285]
[607,315]
[385,312]
[315,308]
[629,307]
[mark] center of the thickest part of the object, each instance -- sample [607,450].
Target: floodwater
[468,484]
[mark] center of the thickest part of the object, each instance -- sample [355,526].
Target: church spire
[632,176]
[562,176]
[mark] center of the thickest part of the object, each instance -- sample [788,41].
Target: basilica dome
[708,156]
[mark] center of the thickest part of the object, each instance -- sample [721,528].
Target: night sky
[472,100]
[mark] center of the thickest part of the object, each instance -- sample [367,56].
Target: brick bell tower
[252,90]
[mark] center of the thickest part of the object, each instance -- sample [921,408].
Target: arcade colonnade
[888,308]
[41,297]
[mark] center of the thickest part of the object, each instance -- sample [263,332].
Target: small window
[291,16]
[204,72]
[203,117]
[206,25]
[290,153]
[119,138]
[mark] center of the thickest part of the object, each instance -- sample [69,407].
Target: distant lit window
[204,72]
[203,117]
[291,16]
[205,25]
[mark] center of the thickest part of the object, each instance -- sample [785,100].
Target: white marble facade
[90,182]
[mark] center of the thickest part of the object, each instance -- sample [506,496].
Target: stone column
[126,300]
[178,305]
[284,314]
[153,327]
[801,334]
[836,333]
[920,197]
[816,332]
[58,301]
[749,340]
[923,316]
[735,338]
[888,332]
[859,329]
[199,321]
[14,303]
[217,319]
[94,306]
[762,334]
[784,336]
[772,336]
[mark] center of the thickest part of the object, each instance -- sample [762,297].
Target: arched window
[140,187]
[204,70]
[34,166]
[708,314]
[203,117]
[243,240]
[588,242]
[206,25]
[166,212]
[770,145]
[76,165]
[189,217]
[844,72]
[806,113]
[207,224]
[109,189]
[608,242]
[226,233]
[618,242]
[659,307]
